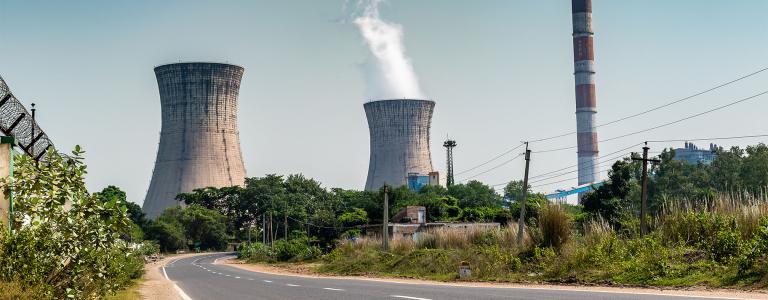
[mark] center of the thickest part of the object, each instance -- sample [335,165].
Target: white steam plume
[390,74]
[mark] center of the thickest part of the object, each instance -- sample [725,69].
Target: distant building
[693,155]
[411,222]
[434,178]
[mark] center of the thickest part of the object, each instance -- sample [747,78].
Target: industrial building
[399,134]
[586,100]
[692,154]
[199,139]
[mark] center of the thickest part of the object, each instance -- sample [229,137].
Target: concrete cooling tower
[199,140]
[399,132]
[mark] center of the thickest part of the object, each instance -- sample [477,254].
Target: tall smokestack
[199,139]
[399,141]
[584,71]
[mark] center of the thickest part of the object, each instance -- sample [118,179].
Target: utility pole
[271,232]
[264,228]
[644,194]
[385,220]
[285,225]
[524,201]
[249,232]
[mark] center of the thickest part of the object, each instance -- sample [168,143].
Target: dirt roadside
[155,286]
[304,271]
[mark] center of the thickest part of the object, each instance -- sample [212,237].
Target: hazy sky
[500,72]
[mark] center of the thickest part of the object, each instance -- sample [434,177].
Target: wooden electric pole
[644,190]
[523,202]
[385,220]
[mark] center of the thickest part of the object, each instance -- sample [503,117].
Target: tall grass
[554,225]
[680,220]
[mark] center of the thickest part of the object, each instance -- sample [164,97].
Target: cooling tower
[586,109]
[199,140]
[399,132]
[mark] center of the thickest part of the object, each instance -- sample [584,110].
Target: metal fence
[17,122]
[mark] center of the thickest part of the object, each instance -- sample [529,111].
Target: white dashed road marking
[332,289]
[237,277]
[290,284]
[409,297]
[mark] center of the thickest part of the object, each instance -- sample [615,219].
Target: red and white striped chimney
[584,71]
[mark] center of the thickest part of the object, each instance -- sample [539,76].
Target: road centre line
[409,297]
[290,284]
[333,289]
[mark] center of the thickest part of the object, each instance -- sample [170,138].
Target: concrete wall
[399,133]
[5,171]
[199,139]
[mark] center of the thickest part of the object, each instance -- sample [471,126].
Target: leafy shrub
[296,249]
[65,241]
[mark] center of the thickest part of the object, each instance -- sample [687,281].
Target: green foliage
[475,194]
[66,243]
[357,216]
[296,249]
[188,228]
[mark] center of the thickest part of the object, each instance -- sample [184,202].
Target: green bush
[296,249]
[65,241]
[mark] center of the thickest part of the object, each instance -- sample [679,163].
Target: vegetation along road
[199,278]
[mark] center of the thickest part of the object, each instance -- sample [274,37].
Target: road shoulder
[155,285]
[692,291]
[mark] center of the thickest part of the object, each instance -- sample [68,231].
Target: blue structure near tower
[417,181]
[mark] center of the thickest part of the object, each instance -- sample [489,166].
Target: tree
[135,213]
[610,200]
[204,228]
[475,194]
[168,230]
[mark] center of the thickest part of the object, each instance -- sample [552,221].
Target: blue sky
[500,72]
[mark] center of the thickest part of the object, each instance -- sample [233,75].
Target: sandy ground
[155,286]
[305,271]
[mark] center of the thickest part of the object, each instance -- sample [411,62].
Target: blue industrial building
[693,155]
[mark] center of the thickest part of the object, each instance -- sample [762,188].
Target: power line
[711,139]
[492,159]
[600,164]
[491,169]
[660,106]
[324,227]
[585,164]
[564,180]
[665,124]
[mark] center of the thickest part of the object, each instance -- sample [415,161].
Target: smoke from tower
[586,108]
[390,74]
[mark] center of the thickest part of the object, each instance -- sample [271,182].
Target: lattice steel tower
[449,144]
[199,138]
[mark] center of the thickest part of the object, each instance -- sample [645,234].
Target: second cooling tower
[199,139]
[399,132]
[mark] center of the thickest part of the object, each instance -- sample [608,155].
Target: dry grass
[745,208]
[555,225]
[449,238]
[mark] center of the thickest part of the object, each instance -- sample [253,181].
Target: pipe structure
[399,131]
[584,71]
[199,138]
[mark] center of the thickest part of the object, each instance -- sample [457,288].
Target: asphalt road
[199,278]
